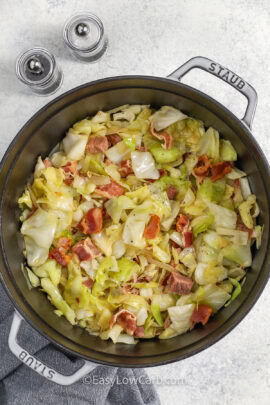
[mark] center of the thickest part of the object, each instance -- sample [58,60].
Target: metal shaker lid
[83,32]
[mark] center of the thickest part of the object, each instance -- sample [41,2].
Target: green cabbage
[213,191]
[227,151]
[201,223]
[209,144]
[156,314]
[165,156]
[244,210]
[236,291]
[238,254]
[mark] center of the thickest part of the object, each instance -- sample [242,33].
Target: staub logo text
[36,365]
[226,75]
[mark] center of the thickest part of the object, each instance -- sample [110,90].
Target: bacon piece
[182,223]
[85,250]
[152,229]
[201,314]
[162,172]
[114,138]
[167,322]
[110,190]
[126,319]
[188,238]
[47,163]
[92,221]
[171,191]
[33,210]
[70,170]
[141,148]
[139,331]
[220,169]
[97,144]
[64,244]
[179,284]
[241,227]
[88,283]
[162,136]
[59,257]
[125,168]
[202,168]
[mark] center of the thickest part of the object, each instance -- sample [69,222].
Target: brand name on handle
[36,365]
[226,75]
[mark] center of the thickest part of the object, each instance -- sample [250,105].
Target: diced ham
[110,190]
[152,229]
[220,169]
[162,136]
[126,319]
[139,331]
[88,283]
[59,257]
[188,238]
[125,168]
[85,250]
[114,139]
[179,284]
[97,144]
[182,223]
[70,170]
[202,168]
[92,221]
[201,314]
[171,191]
[47,163]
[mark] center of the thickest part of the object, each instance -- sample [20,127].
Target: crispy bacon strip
[114,139]
[59,257]
[92,221]
[126,319]
[152,229]
[59,254]
[125,168]
[220,169]
[88,283]
[97,144]
[70,170]
[202,168]
[162,136]
[171,192]
[85,250]
[110,190]
[182,223]
[47,163]
[188,238]
[201,314]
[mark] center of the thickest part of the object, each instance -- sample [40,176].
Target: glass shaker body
[85,36]
[37,69]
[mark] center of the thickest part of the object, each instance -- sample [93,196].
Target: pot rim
[223,329]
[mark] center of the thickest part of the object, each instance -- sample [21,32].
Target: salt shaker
[84,35]
[37,69]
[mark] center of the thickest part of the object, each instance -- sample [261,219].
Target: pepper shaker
[37,68]
[84,35]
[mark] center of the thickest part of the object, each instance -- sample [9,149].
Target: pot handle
[227,76]
[37,365]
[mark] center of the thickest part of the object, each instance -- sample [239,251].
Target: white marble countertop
[154,37]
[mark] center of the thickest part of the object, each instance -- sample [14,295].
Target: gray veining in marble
[154,37]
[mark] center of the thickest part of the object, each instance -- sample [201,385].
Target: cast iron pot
[42,133]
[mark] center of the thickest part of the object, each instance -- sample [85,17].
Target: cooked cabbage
[113,237]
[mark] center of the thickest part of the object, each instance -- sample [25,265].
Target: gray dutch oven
[40,135]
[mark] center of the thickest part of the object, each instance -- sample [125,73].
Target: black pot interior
[42,133]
